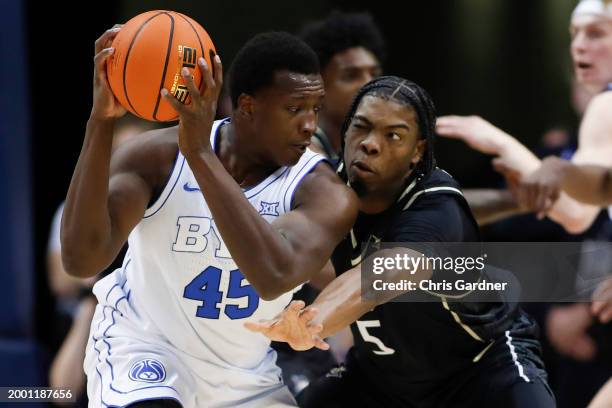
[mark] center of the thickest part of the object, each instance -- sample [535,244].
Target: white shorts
[125,364]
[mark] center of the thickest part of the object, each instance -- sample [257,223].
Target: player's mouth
[301,146]
[361,167]
[583,66]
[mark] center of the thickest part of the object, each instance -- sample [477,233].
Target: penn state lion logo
[148,370]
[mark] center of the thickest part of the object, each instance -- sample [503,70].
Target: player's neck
[379,201]
[240,158]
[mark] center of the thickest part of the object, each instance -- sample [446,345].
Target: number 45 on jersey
[206,288]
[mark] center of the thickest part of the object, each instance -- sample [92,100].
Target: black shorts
[496,383]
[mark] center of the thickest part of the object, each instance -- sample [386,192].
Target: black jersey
[410,349]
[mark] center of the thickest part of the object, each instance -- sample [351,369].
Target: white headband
[596,7]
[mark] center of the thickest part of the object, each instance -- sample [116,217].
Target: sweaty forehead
[298,85]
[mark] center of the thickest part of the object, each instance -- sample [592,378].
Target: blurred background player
[582,343]
[351,50]
[591,49]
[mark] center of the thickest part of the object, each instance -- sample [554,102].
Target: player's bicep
[309,234]
[128,198]
[136,169]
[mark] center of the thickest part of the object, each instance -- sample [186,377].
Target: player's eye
[394,136]
[350,75]
[293,109]
[594,33]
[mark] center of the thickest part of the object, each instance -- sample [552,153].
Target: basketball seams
[127,57]
[199,41]
[143,68]
[168,52]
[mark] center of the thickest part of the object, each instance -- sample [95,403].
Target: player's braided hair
[410,94]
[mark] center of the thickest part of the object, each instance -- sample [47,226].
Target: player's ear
[246,106]
[419,151]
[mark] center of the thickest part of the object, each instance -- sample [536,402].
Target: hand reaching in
[293,326]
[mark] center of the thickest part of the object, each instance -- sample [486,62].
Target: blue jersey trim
[213,137]
[263,187]
[257,188]
[299,177]
[104,340]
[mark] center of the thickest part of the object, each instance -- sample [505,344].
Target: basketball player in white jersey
[222,226]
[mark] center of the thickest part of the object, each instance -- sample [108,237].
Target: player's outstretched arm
[336,307]
[585,183]
[589,184]
[481,135]
[484,137]
[342,302]
[293,326]
[491,205]
[105,200]
[352,294]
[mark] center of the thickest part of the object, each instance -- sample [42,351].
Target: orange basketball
[150,51]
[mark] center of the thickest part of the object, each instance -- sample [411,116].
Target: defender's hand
[476,132]
[541,189]
[105,105]
[292,326]
[196,119]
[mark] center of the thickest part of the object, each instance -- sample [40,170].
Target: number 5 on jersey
[363,326]
[206,288]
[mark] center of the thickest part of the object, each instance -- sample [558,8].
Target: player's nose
[309,124]
[370,144]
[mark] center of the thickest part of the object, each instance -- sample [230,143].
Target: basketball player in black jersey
[428,354]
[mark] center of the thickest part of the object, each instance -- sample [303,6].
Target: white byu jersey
[179,285]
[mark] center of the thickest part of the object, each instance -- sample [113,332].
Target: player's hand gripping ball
[150,51]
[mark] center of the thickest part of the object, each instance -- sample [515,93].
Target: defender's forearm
[588,184]
[340,303]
